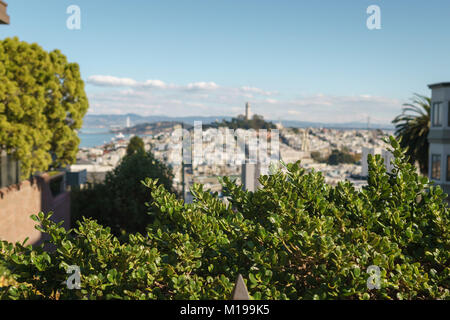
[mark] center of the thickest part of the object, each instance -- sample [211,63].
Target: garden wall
[18,202]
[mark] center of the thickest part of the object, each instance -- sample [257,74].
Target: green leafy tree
[316,156]
[135,145]
[294,238]
[120,202]
[42,104]
[412,128]
[340,156]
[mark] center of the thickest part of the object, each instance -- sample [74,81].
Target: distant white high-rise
[128,124]
[249,176]
[386,155]
[247,111]
[305,140]
[365,154]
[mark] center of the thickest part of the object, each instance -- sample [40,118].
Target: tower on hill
[247,111]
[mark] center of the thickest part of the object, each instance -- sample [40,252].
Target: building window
[448,168]
[437,114]
[448,114]
[9,170]
[436,166]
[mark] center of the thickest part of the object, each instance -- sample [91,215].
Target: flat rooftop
[439,85]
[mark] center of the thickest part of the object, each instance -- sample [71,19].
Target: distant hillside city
[118,121]
[340,153]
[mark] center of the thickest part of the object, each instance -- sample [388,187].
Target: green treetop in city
[42,104]
[135,145]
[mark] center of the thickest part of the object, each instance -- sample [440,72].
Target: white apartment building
[385,154]
[439,135]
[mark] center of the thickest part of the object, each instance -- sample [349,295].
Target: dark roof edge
[439,85]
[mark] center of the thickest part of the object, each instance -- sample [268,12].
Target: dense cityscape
[311,146]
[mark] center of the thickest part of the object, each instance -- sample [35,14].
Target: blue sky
[296,60]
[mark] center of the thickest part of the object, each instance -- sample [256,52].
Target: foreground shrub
[295,238]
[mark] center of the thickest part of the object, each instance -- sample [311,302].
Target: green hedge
[295,238]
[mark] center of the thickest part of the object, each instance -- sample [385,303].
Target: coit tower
[247,111]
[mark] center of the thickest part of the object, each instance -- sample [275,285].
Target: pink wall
[19,202]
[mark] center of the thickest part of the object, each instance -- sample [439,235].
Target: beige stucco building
[4,18]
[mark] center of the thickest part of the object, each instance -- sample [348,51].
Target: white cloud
[202,86]
[332,108]
[271,101]
[110,81]
[247,89]
[154,84]
[210,99]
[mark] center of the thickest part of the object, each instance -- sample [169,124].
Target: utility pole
[182,160]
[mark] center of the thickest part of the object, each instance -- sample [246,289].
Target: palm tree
[412,128]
